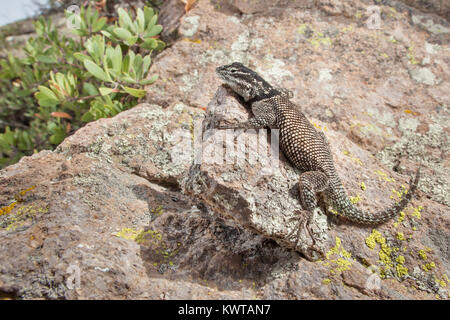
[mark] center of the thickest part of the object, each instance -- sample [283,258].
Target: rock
[129,207]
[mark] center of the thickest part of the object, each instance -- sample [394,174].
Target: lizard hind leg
[309,184]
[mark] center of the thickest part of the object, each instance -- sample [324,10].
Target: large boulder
[129,207]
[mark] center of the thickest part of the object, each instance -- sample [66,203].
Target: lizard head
[245,82]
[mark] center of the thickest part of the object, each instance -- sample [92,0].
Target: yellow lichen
[440,282]
[410,112]
[429,266]
[363,186]
[400,236]
[346,29]
[355,199]
[384,176]
[401,217]
[302,28]
[423,255]
[18,197]
[374,238]
[343,262]
[401,270]
[7,209]
[128,233]
[416,212]
[157,211]
[398,194]
[411,57]
[326,281]
[355,159]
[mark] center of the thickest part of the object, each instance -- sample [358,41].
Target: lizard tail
[342,204]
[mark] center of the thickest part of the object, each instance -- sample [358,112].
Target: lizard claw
[310,250]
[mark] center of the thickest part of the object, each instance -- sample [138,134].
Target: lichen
[355,199]
[400,236]
[363,186]
[342,263]
[423,255]
[384,176]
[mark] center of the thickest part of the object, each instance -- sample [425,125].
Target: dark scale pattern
[303,145]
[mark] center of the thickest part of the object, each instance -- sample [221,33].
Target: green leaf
[140,18]
[90,89]
[46,58]
[132,40]
[96,71]
[122,33]
[107,34]
[46,97]
[58,135]
[149,81]
[156,29]
[138,93]
[146,64]
[148,13]
[87,117]
[105,91]
[98,25]
[81,57]
[125,20]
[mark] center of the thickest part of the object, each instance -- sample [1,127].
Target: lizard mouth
[219,71]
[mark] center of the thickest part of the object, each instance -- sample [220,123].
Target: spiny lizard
[303,145]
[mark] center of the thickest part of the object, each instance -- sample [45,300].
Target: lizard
[304,146]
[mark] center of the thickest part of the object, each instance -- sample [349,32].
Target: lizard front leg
[263,116]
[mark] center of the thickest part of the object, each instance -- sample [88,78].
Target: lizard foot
[305,238]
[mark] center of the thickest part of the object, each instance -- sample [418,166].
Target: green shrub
[64,82]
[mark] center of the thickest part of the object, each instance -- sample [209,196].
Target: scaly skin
[305,147]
